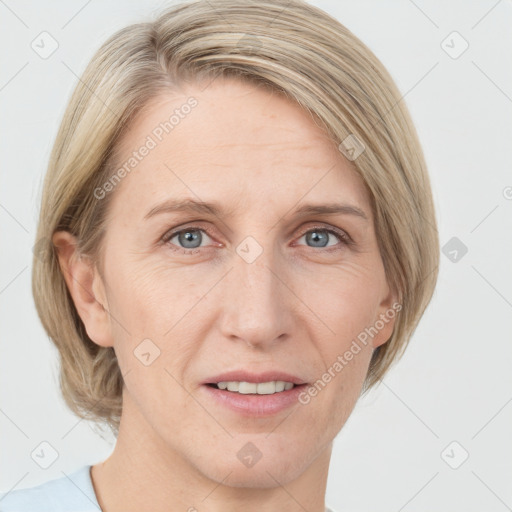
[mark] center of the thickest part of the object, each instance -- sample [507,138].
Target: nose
[257,304]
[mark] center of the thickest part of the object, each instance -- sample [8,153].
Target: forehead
[233,142]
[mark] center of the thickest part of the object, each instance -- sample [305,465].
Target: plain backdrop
[435,435]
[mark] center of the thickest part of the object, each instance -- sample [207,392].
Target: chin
[262,477]
[266,467]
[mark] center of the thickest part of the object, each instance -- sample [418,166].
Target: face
[261,284]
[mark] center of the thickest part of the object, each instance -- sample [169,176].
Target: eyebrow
[214,208]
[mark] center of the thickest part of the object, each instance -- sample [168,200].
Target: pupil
[190,237]
[319,238]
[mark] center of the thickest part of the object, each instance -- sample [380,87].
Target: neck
[144,473]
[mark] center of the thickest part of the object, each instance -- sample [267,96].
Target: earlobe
[85,287]
[385,321]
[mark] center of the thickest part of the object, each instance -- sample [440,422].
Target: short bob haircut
[291,48]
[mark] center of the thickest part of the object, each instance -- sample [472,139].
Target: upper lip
[245,376]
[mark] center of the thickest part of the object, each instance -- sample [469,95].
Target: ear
[86,288]
[388,311]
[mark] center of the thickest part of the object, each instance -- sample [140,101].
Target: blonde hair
[290,47]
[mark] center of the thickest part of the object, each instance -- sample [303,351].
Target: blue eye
[189,239]
[319,237]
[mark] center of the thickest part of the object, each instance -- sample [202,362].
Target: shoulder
[69,492]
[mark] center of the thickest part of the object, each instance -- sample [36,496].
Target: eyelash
[344,238]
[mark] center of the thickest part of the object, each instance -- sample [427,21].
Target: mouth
[251,399]
[254,388]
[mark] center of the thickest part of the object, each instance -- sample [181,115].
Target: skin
[296,308]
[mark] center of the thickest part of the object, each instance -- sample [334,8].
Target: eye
[189,238]
[320,237]
[192,237]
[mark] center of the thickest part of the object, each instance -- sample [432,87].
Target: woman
[240,241]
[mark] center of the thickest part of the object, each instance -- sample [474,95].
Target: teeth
[247,388]
[232,386]
[280,385]
[261,388]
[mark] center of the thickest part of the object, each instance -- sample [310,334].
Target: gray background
[454,382]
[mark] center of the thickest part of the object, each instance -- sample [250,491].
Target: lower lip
[255,405]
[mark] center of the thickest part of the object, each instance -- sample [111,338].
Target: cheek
[157,303]
[347,300]
[150,296]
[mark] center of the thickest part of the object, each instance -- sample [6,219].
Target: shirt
[72,493]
